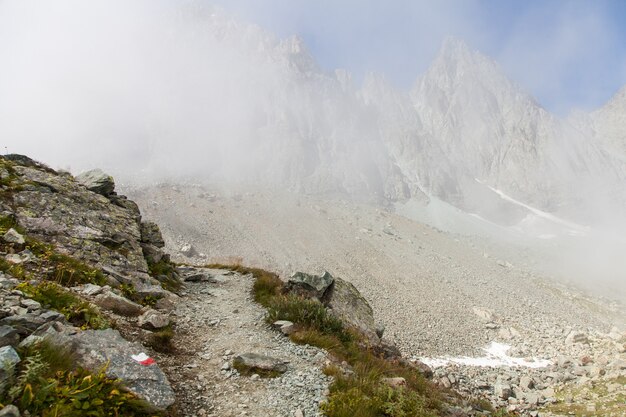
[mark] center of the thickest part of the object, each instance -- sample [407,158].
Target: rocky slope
[438,296]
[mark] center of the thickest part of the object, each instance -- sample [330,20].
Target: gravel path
[217,321]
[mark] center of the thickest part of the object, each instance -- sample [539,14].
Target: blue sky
[568,54]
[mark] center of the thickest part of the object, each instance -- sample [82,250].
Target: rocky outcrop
[84,218]
[340,296]
[79,231]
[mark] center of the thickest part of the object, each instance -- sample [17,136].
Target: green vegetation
[165,272]
[597,395]
[77,311]
[161,340]
[45,384]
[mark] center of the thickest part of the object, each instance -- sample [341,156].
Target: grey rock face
[256,363]
[151,234]
[97,181]
[118,304]
[8,359]
[9,336]
[95,348]
[345,301]
[313,286]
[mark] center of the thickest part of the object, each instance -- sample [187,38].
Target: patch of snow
[496,356]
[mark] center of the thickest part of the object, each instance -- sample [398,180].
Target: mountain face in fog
[462,131]
[200,95]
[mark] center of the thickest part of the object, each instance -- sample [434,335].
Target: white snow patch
[495,357]
[575,229]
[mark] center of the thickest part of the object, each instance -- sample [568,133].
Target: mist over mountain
[200,95]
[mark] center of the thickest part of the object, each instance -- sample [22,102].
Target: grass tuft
[77,311]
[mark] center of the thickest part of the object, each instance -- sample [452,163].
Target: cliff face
[77,266]
[103,230]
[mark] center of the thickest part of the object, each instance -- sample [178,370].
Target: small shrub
[306,313]
[76,311]
[161,340]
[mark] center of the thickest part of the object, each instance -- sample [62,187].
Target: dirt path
[216,321]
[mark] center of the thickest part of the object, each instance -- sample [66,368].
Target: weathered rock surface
[151,234]
[8,359]
[10,411]
[96,348]
[153,320]
[347,303]
[308,285]
[97,181]
[256,363]
[9,336]
[118,304]
[12,236]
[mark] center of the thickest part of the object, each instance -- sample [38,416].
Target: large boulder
[347,303]
[310,286]
[97,181]
[95,349]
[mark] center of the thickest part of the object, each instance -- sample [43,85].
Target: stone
[502,390]
[508,333]
[298,413]
[576,337]
[188,250]
[484,313]
[97,181]
[30,304]
[151,234]
[259,364]
[25,324]
[97,348]
[118,304]
[9,336]
[153,320]
[312,286]
[284,326]
[91,289]
[9,411]
[12,236]
[380,330]
[526,383]
[394,382]
[8,359]
[347,303]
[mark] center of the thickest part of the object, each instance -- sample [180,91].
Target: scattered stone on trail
[298,413]
[503,390]
[284,326]
[259,364]
[118,304]
[153,320]
[380,330]
[311,286]
[12,236]
[97,348]
[97,181]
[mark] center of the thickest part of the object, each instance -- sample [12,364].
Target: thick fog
[154,90]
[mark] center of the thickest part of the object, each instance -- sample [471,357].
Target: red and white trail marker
[143,359]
